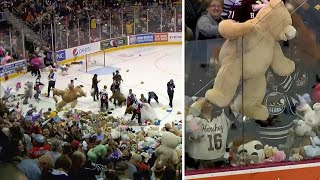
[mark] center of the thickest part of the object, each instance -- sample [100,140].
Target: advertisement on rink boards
[60,55]
[116,42]
[13,67]
[141,38]
[175,37]
[82,50]
[160,37]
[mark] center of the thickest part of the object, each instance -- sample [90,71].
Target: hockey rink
[143,69]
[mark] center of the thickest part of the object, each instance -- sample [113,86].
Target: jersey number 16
[217,141]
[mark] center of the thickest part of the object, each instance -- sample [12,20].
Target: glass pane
[272,89]
[128,20]
[116,23]
[154,18]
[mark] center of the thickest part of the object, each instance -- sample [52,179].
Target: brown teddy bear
[68,96]
[171,128]
[250,49]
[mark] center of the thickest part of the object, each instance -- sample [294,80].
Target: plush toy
[28,91]
[315,94]
[68,96]
[244,159]
[7,94]
[5,59]
[260,4]
[96,152]
[193,127]
[295,155]
[311,118]
[171,128]
[18,86]
[273,154]
[166,153]
[253,147]
[147,112]
[259,37]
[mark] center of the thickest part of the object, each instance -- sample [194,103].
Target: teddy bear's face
[276,18]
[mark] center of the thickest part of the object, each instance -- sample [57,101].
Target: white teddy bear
[311,117]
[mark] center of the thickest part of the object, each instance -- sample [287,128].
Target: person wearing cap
[114,88]
[170,90]
[39,148]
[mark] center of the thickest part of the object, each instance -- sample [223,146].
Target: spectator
[207,28]
[34,168]
[56,149]
[62,167]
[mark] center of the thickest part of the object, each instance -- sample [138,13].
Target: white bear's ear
[274,3]
[316,107]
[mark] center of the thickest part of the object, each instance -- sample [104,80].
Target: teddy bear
[311,120]
[273,154]
[166,153]
[68,96]
[171,128]
[258,37]
[295,155]
[28,91]
[96,152]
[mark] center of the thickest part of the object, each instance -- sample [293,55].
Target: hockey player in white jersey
[104,99]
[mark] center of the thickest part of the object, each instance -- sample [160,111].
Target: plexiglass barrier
[71,31]
[236,136]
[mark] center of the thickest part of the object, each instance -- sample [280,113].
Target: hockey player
[117,77]
[137,110]
[37,87]
[152,95]
[170,90]
[104,98]
[115,89]
[130,101]
[143,99]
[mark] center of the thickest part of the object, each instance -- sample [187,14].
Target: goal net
[94,61]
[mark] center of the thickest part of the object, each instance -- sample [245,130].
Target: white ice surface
[155,67]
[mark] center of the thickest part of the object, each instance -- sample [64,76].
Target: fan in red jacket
[39,147]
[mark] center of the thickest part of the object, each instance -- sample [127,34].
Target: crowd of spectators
[62,151]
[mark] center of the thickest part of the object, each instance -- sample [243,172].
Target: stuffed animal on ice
[311,118]
[69,95]
[119,97]
[148,113]
[251,48]
[28,91]
[166,153]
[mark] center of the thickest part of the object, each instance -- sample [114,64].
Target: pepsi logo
[75,52]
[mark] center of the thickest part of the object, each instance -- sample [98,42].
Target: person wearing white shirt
[52,81]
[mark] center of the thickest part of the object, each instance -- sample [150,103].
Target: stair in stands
[19,24]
